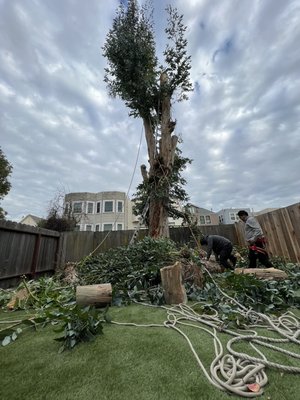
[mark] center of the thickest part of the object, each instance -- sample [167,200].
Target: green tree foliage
[5,171]
[133,72]
[132,64]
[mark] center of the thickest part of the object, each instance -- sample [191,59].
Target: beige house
[31,220]
[102,211]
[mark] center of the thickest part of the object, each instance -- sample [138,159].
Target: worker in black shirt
[222,248]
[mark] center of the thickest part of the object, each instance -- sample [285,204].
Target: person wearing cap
[256,241]
[222,248]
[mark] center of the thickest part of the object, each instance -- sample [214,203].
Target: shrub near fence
[25,250]
[77,245]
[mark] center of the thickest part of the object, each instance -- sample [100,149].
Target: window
[108,206]
[232,216]
[207,219]
[77,207]
[90,208]
[120,206]
[98,207]
[119,227]
[97,228]
[202,220]
[88,227]
[107,227]
[77,228]
[67,208]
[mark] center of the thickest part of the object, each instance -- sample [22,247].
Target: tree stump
[263,273]
[96,295]
[171,278]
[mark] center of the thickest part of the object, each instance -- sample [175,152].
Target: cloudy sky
[241,126]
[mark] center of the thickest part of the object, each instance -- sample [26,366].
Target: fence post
[57,259]
[36,253]
[240,237]
[61,251]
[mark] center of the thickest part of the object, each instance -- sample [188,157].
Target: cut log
[171,278]
[263,273]
[96,295]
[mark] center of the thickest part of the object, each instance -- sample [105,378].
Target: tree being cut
[148,90]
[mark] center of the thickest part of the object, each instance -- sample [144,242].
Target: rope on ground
[235,372]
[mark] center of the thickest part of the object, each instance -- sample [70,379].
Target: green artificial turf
[130,363]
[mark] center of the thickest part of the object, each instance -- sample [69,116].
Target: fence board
[288,241]
[25,250]
[294,214]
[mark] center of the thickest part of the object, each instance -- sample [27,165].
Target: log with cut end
[263,273]
[96,295]
[171,278]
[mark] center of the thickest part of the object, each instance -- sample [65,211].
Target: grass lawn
[124,363]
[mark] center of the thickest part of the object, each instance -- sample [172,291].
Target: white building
[229,215]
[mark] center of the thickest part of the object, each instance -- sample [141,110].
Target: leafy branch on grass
[54,305]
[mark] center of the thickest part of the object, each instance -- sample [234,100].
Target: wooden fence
[76,245]
[282,230]
[25,250]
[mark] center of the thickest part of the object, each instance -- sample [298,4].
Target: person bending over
[222,248]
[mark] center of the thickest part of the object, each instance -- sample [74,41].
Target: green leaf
[59,329]
[7,340]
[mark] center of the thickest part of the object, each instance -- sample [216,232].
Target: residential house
[102,211]
[203,216]
[31,220]
[229,215]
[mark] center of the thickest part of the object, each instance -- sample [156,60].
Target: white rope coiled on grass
[235,372]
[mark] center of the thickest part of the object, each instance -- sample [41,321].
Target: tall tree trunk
[158,219]
[161,163]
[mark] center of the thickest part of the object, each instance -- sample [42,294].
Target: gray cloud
[59,127]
